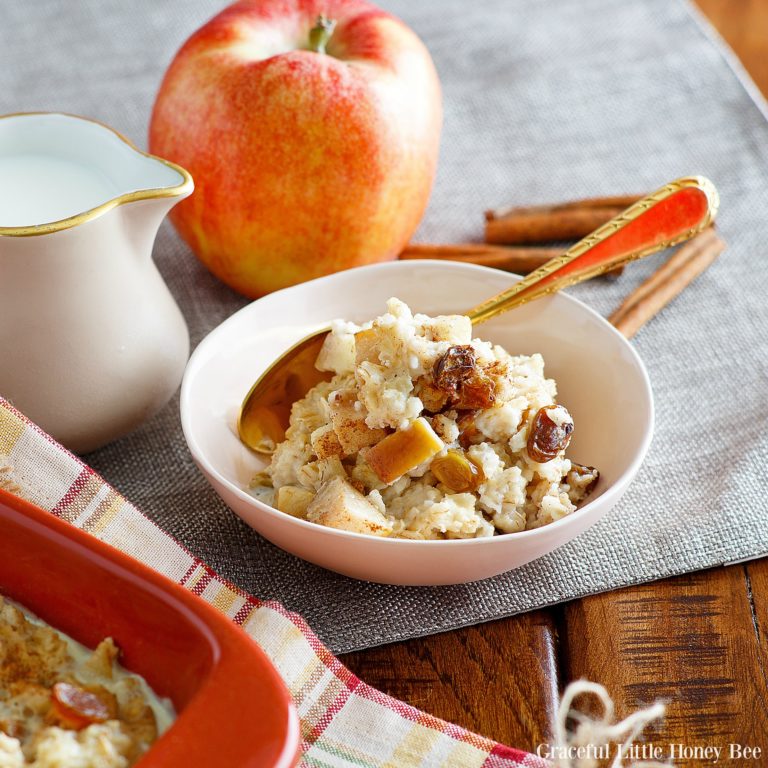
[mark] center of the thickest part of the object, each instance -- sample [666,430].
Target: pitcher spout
[58,171]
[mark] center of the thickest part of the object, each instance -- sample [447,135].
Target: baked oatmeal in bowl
[61,704]
[424,432]
[431,452]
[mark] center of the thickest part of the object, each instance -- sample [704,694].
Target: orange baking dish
[233,709]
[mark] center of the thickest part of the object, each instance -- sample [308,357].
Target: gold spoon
[674,213]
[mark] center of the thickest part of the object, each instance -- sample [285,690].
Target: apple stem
[321,33]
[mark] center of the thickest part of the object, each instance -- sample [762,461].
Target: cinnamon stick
[667,282]
[561,221]
[610,201]
[519,260]
[545,226]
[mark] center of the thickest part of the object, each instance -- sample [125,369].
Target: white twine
[599,731]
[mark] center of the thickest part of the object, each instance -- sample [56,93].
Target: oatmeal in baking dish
[63,706]
[425,433]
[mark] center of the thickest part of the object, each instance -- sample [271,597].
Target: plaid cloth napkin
[344,722]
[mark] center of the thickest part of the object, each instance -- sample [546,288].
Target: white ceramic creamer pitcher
[91,341]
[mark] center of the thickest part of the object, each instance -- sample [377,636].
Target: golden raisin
[548,438]
[77,708]
[454,366]
[469,434]
[478,391]
[580,471]
[458,472]
[457,374]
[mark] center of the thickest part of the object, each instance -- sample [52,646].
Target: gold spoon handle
[676,212]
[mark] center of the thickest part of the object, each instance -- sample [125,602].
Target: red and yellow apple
[311,129]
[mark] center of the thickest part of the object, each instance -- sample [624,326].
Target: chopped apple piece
[454,328]
[293,500]
[403,450]
[338,505]
[366,346]
[349,423]
[337,353]
[325,443]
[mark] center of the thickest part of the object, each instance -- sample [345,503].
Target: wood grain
[498,679]
[690,641]
[698,640]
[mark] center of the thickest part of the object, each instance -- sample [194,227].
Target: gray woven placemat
[544,101]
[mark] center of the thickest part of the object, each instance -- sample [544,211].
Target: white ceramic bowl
[601,381]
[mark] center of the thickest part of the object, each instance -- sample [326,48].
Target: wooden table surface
[697,641]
